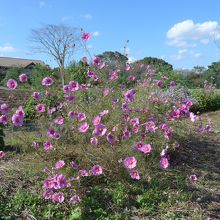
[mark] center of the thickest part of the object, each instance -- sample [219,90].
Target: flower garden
[100,150]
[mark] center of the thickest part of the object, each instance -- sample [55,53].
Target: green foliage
[77,72]
[38,73]
[30,109]
[113,58]
[12,73]
[213,74]
[205,101]
[159,65]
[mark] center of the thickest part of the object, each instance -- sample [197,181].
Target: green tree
[213,73]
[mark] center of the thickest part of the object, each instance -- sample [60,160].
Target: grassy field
[159,196]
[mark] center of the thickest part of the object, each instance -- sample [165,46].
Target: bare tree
[58,41]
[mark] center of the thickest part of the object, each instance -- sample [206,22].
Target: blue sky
[180,32]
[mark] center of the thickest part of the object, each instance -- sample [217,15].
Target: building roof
[16,62]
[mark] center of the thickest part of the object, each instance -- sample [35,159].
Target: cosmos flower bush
[99,130]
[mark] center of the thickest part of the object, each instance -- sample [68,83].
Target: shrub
[2,135]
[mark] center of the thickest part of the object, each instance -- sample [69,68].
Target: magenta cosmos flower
[164,163]
[49,183]
[96,120]
[36,96]
[81,116]
[138,146]
[4,108]
[4,119]
[59,120]
[159,83]
[73,86]
[2,154]
[100,130]
[96,170]
[146,148]
[135,174]
[47,81]
[58,197]
[17,120]
[40,108]
[47,194]
[12,84]
[59,164]
[94,141]
[23,77]
[60,181]
[74,199]
[193,178]
[130,162]
[47,145]
[83,127]
[110,138]
[20,111]
[129,96]
[86,36]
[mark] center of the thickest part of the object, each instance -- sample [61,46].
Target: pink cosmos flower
[172,84]
[97,61]
[4,108]
[192,116]
[70,98]
[100,130]
[106,92]
[4,119]
[113,76]
[164,163]
[58,197]
[90,73]
[74,165]
[159,83]
[73,86]
[36,96]
[111,138]
[193,178]
[86,36]
[17,120]
[134,174]
[2,154]
[94,141]
[105,112]
[47,194]
[20,111]
[60,181]
[126,117]
[40,108]
[129,96]
[96,170]
[59,164]
[96,120]
[150,126]
[134,121]
[12,84]
[72,114]
[130,162]
[85,59]
[47,145]
[131,78]
[176,114]
[47,81]
[66,89]
[84,86]
[135,129]
[127,67]
[23,77]
[59,120]
[74,199]
[146,148]
[49,183]
[126,134]
[189,103]
[83,127]
[83,173]
[81,116]
[115,100]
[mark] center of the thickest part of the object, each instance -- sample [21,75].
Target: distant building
[9,62]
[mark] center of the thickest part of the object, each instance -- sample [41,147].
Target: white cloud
[131,59]
[42,4]
[187,33]
[181,54]
[67,18]
[7,48]
[205,41]
[87,16]
[95,34]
